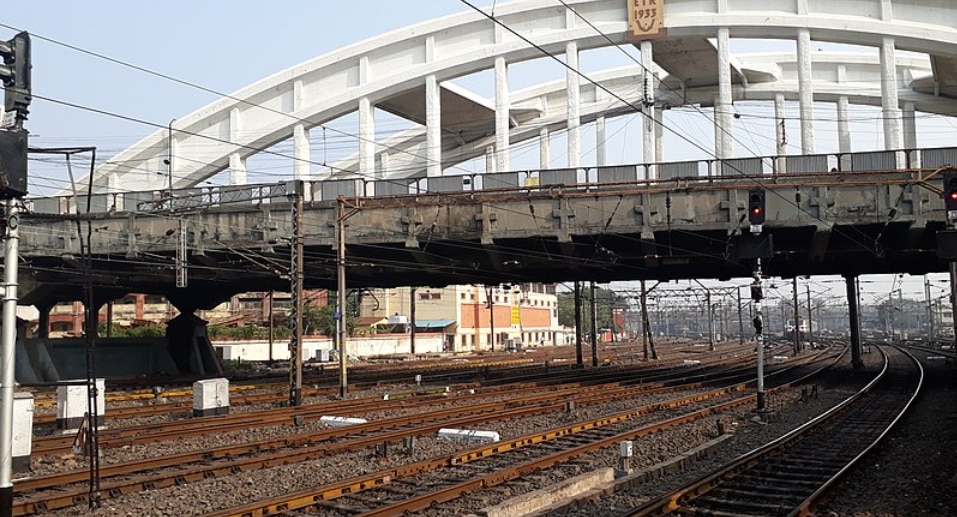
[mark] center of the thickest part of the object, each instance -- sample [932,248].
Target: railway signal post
[15,73]
[757,294]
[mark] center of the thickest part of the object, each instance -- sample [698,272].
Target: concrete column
[301,169]
[385,164]
[502,117]
[780,133]
[648,147]
[573,85]
[910,126]
[601,147]
[843,125]
[844,132]
[366,139]
[237,169]
[890,102]
[433,127]
[805,91]
[910,136]
[173,169]
[724,107]
[43,321]
[544,149]
[237,164]
[301,153]
[490,163]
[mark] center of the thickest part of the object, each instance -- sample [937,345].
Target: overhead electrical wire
[291,157]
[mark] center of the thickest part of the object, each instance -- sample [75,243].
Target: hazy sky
[224,46]
[220,45]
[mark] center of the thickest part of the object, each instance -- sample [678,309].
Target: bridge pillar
[910,130]
[780,133]
[43,321]
[843,132]
[648,144]
[806,91]
[502,117]
[724,144]
[573,107]
[189,345]
[601,148]
[855,321]
[433,127]
[367,139]
[544,149]
[890,101]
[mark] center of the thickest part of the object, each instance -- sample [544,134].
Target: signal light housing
[15,74]
[756,206]
[950,190]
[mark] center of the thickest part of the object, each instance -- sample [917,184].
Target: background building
[520,313]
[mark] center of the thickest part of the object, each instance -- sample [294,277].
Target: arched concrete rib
[393,64]
[766,76]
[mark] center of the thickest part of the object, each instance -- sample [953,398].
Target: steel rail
[674,500]
[223,461]
[311,497]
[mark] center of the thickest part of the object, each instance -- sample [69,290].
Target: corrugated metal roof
[433,324]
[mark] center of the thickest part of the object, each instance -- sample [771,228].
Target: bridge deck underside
[680,253]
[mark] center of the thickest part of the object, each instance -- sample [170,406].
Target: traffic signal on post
[950,190]
[15,76]
[756,206]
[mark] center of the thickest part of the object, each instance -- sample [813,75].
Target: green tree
[321,320]
[605,299]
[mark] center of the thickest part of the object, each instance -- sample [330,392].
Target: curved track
[789,476]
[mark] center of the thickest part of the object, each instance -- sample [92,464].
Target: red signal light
[950,190]
[756,199]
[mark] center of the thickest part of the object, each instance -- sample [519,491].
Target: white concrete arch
[854,76]
[400,71]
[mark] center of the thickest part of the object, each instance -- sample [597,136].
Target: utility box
[211,397]
[22,431]
[72,403]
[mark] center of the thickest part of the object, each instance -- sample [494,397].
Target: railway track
[573,381]
[492,372]
[442,480]
[792,474]
[45,493]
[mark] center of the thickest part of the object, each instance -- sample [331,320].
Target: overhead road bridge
[412,218]
[831,214]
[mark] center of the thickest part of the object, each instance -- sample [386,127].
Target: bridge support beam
[433,127]
[724,127]
[189,345]
[573,82]
[890,100]
[806,91]
[502,115]
[649,143]
[544,149]
[855,321]
[843,131]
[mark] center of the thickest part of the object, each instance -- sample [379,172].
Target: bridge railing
[583,178]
